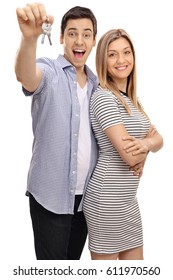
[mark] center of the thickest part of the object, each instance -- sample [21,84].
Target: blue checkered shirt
[55,109]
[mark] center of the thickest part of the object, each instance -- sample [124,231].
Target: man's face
[78,41]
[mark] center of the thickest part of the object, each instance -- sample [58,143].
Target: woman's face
[120,60]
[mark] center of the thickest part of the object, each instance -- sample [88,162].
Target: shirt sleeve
[105,107]
[46,68]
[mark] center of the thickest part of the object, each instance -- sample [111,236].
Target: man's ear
[94,43]
[61,39]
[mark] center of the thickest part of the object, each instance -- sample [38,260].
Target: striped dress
[110,203]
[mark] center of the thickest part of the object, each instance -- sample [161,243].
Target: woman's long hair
[102,72]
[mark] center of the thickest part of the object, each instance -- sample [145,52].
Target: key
[46,26]
[43,37]
[49,38]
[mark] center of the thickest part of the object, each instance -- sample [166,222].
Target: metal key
[46,26]
[49,38]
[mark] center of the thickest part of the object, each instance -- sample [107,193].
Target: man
[64,148]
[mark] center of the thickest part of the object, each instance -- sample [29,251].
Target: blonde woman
[125,136]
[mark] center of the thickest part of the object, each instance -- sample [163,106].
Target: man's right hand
[31,18]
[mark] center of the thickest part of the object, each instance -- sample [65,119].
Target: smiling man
[64,148]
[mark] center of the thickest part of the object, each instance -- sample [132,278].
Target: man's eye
[86,35]
[72,34]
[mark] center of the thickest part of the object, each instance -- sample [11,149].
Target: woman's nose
[120,58]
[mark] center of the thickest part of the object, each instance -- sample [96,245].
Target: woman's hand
[138,169]
[136,146]
[144,145]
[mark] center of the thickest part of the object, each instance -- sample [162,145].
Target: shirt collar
[65,63]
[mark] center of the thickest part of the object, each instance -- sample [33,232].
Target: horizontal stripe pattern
[110,203]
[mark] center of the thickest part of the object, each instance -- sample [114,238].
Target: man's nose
[79,39]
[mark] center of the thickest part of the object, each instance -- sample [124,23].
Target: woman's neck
[122,85]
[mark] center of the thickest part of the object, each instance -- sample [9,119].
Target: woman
[125,136]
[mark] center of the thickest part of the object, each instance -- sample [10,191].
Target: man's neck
[81,77]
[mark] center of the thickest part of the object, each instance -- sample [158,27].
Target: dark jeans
[56,236]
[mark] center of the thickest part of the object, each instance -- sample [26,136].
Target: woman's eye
[112,55]
[127,52]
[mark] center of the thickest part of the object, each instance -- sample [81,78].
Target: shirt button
[75,134]
[77,115]
[74,172]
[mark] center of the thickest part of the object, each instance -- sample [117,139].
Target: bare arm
[30,19]
[151,143]
[138,168]
[116,135]
[25,65]
[154,141]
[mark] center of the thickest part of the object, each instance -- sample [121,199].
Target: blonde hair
[101,68]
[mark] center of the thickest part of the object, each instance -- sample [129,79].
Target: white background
[149,24]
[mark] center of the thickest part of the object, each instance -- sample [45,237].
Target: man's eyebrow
[85,29]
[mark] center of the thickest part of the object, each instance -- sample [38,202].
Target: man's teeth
[78,51]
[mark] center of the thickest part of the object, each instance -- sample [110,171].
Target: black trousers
[56,236]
